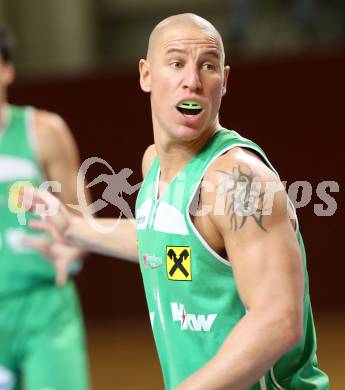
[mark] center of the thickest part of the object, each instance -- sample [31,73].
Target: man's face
[187,79]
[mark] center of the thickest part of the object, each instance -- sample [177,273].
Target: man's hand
[61,256]
[67,229]
[56,219]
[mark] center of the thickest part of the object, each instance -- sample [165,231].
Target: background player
[41,329]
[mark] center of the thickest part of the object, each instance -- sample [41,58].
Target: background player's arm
[58,154]
[119,242]
[59,159]
[268,269]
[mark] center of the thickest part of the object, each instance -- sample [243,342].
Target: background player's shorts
[42,344]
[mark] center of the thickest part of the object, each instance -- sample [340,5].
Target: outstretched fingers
[61,271]
[44,226]
[32,199]
[54,216]
[38,243]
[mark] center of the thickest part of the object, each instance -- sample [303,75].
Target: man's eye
[176,64]
[208,66]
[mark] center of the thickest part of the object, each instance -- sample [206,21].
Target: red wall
[293,108]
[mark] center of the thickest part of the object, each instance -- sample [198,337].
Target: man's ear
[145,75]
[8,73]
[225,80]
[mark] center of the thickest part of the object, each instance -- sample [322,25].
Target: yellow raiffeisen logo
[179,263]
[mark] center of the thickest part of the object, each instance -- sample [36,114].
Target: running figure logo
[178,260]
[117,185]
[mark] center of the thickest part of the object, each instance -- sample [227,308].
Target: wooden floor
[123,356]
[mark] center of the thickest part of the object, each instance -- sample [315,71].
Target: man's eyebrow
[173,50]
[211,52]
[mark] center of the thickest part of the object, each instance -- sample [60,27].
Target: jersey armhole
[32,140]
[205,244]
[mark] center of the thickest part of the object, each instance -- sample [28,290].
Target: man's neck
[173,155]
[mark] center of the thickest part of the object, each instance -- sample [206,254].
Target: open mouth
[189,107]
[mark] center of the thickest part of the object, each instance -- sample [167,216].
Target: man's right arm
[115,237]
[119,241]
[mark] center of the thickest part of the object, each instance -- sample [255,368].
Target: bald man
[221,254]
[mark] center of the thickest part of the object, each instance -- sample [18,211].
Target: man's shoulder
[51,134]
[240,163]
[50,129]
[48,121]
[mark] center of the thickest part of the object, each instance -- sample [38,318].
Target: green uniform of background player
[41,329]
[225,279]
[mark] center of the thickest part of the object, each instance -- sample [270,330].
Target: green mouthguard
[190,105]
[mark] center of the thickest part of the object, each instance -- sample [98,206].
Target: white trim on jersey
[274,380]
[17,168]
[262,383]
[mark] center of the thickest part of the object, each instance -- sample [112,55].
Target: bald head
[187,20]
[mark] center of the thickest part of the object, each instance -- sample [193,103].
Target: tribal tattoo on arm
[243,197]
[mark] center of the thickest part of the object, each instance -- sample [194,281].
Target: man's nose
[192,79]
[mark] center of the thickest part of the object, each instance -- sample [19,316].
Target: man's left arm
[267,266]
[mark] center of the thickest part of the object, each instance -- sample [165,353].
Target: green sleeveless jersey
[20,267]
[191,291]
